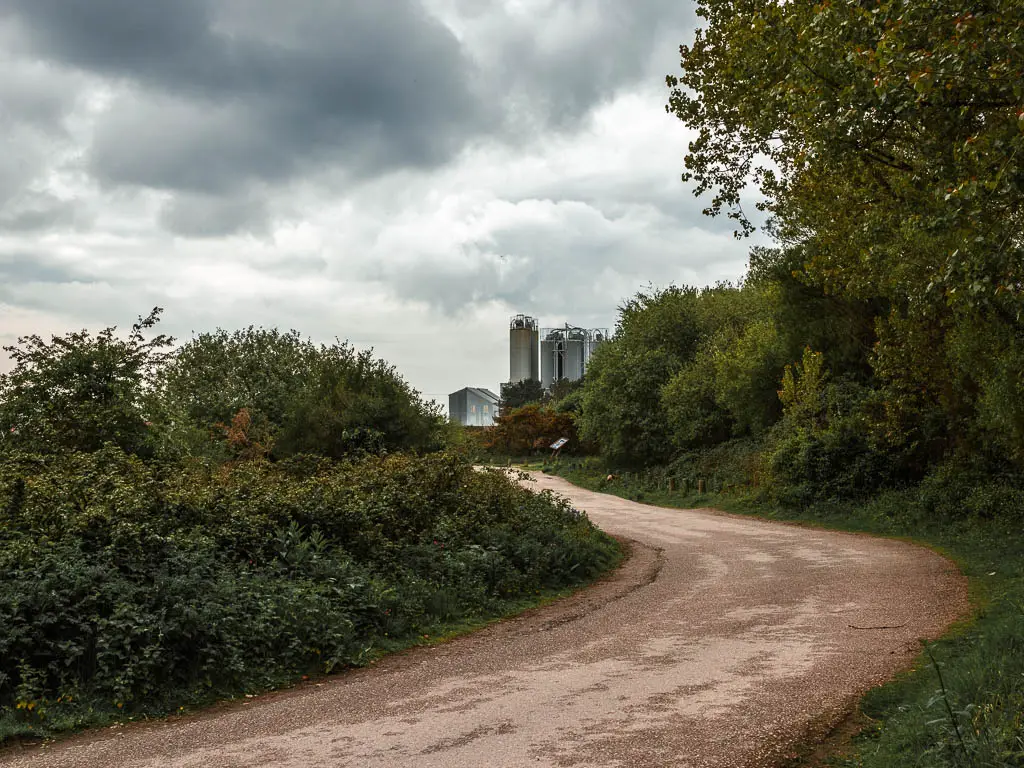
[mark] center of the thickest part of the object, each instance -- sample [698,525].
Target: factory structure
[473,407]
[546,355]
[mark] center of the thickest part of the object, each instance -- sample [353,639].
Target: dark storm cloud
[225,103]
[34,103]
[224,92]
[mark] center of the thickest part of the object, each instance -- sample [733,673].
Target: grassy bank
[963,703]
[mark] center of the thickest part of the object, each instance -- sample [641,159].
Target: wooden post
[700,486]
[671,484]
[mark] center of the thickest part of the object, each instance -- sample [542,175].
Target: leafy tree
[519,393]
[566,396]
[888,134]
[531,428]
[328,400]
[622,404]
[745,372]
[805,315]
[560,390]
[80,391]
[886,140]
[353,403]
[687,368]
[665,319]
[692,413]
[656,333]
[824,447]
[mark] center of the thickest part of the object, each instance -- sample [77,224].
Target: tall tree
[887,132]
[78,391]
[519,393]
[886,137]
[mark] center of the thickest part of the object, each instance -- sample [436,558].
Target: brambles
[134,586]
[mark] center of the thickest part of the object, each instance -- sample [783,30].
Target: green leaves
[309,399]
[857,120]
[133,587]
[79,391]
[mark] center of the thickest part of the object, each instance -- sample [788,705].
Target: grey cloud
[568,257]
[24,157]
[35,95]
[35,102]
[36,212]
[224,92]
[20,269]
[206,216]
[118,36]
[259,88]
[167,143]
[581,53]
[297,264]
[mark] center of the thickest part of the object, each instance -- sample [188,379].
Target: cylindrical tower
[575,353]
[523,343]
[553,356]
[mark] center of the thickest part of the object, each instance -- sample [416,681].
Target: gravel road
[721,642]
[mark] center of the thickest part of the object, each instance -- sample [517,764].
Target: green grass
[963,702]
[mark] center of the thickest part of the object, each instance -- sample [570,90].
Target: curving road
[721,642]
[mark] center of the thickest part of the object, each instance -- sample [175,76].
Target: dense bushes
[300,398]
[252,507]
[132,586]
[530,428]
[251,393]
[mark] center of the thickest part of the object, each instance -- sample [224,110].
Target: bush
[531,428]
[296,397]
[79,391]
[128,586]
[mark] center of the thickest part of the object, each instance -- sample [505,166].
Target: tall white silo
[523,338]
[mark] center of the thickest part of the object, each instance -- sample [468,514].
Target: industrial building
[473,407]
[565,352]
[551,354]
[547,356]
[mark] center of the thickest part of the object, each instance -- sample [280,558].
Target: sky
[402,174]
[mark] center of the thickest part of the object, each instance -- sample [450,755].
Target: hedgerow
[133,587]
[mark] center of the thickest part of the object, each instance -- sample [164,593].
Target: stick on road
[721,642]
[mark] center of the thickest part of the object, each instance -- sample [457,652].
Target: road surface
[721,642]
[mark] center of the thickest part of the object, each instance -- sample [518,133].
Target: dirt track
[721,642]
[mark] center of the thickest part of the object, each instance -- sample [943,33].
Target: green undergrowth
[94,712]
[963,702]
[132,589]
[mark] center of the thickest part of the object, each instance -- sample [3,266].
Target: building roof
[480,392]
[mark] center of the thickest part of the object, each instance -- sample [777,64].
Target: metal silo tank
[575,353]
[522,344]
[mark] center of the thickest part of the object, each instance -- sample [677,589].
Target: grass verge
[963,702]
